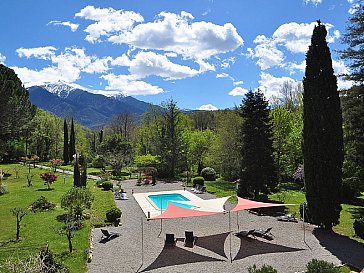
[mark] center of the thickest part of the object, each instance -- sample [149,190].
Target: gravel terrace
[287,252]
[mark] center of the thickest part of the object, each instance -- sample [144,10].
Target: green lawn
[37,229]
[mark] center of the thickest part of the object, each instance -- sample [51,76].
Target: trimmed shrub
[107,185]
[359,227]
[41,204]
[3,189]
[198,180]
[319,266]
[208,174]
[350,188]
[263,269]
[113,215]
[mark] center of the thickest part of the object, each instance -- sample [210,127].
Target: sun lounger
[108,235]
[189,239]
[170,240]
[245,234]
[288,217]
[263,233]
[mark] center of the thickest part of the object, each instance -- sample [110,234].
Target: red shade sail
[174,211]
[244,204]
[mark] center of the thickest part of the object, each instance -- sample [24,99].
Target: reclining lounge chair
[170,240]
[264,233]
[107,235]
[189,239]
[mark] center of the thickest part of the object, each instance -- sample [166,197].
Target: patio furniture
[189,239]
[245,234]
[170,240]
[263,233]
[108,235]
[288,217]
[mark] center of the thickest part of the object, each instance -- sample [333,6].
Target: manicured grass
[290,193]
[37,229]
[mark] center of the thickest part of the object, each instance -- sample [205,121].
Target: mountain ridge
[88,108]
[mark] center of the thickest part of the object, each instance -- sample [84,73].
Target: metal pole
[231,259]
[304,228]
[237,219]
[142,241]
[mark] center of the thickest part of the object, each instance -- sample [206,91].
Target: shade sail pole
[142,245]
[237,219]
[231,260]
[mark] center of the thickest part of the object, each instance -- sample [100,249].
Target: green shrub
[208,174]
[107,185]
[112,215]
[319,266]
[350,188]
[41,204]
[198,180]
[3,189]
[359,227]
[99,162]
[263,269]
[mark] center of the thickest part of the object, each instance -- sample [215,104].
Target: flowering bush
[56,162]
[48,178]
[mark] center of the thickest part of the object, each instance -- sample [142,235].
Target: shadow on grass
[51,189]
[345,249]
[356,213]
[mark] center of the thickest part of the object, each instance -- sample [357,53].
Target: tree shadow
[345,249]
[356,212]
[251,247]
[177,256]
[51,189]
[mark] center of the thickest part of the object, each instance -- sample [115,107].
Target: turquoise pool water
[161,200]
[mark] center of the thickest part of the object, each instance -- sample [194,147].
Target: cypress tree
[322,133]
[72,146]
[258,174]
[66,155]
[76,173]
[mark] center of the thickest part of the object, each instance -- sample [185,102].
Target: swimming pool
[161,200]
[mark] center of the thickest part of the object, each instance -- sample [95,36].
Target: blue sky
[204,54]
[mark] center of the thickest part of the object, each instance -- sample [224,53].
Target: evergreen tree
[353,116]
[16,111]
[83,172]
[354,37]
[258,174]
[76,173]
[72,146]
[66,155]
[322,133]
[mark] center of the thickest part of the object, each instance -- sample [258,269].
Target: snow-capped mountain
[91,108]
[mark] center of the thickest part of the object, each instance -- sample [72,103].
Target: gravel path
[287,252]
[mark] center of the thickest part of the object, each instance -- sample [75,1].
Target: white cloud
[341,69]
[271,85]
[238,82]
[238,91]
[266,53]
[2,59]
[129,85]
[222,75]
[149,63]
[108,22]
[208,107]
[354,7]
[177,33]
[66,66]
[72,26]
[227,62]
[292,36]
[294,67]
[44,53]
[314,2]
[31,77]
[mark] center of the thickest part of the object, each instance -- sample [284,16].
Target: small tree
[48,178]
[19,213]
[71,225]
[30,178]
[55,163]
[76,200]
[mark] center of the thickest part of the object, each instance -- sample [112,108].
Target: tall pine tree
[322,133]
[72,146]
[66,155]
[258,174]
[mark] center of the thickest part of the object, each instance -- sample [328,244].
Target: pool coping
[147,205]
